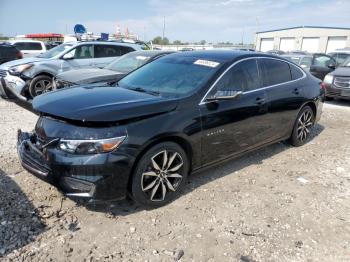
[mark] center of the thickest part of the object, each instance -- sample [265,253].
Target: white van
[29,48]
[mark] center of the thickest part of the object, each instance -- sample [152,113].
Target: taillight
[19,55]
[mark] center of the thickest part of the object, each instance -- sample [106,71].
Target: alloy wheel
[305,123]
[42,86]
[162,175]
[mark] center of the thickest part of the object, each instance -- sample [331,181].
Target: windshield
[55,51]
[129,62]
[346,63]
[171,76]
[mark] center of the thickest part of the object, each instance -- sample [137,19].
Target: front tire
[302,127]
[39,85]
[159,175]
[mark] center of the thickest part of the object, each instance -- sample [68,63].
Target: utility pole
[163,28]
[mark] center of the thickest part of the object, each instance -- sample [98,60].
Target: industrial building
[313,39]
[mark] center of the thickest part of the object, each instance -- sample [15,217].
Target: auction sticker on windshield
[206,63]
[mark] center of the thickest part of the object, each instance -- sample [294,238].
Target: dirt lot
[278,204]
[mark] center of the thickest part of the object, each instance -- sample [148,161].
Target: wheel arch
[312,105]
[44,73]
[178,139]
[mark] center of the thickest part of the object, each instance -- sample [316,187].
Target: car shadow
[127,206]
[338,102]
[19,219]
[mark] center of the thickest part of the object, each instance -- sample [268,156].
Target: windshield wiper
[140,89]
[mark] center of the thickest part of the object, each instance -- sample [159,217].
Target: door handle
[296,91]
[260,101]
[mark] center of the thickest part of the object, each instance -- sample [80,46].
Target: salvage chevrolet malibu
[171,117]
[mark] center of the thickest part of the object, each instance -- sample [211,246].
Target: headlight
[16,70]
[328,79]
[90,146]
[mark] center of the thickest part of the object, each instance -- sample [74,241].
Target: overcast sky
[186,20]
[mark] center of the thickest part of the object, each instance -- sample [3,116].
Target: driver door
[239,124]
[80,57]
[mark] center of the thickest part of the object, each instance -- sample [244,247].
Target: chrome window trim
[203,102]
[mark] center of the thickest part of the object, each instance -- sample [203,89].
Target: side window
[322,60]
[106,51]
[20,45]
[296,72]
[241,77]
[274,72]
[83,52]
[111,50]
[33,46]
[126,49]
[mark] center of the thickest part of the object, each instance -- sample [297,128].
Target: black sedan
[111,73]
[171,117]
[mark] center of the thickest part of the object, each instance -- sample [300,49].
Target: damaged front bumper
[10,90]
[87,176]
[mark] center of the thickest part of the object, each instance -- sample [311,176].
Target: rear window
[28,46]
[296,72]
[274,72]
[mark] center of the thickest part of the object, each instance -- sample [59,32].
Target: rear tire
[302,127]
[159,175]
[39,85]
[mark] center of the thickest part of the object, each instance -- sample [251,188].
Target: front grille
[34,163]
[342,82]
[3,73]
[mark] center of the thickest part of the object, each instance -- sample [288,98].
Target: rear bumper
[100,176]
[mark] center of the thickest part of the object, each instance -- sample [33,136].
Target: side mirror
[224,95]
[331,66]
[68,56]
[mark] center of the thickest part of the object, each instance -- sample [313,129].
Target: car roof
[223,55]
[152,53]
[24,40]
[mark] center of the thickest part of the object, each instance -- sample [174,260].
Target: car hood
[21,62]
[341,71]
[89,75]
[101,104]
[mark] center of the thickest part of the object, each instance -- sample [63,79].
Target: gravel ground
[277,204]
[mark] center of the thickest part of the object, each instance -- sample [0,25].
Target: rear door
[104,54]
[320,65]
[284,89]
[236,125]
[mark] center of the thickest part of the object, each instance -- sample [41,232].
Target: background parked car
[30,77]
[29,48]
[275,52]
[111,73]
[8,53]
[319,65]
[337,83]
[340,55]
